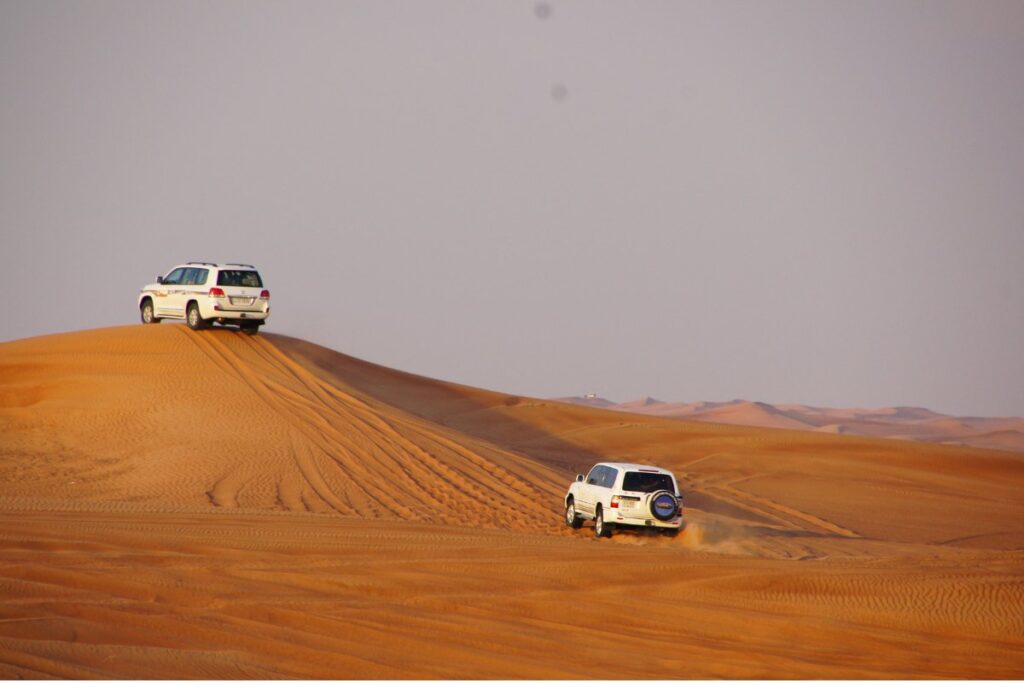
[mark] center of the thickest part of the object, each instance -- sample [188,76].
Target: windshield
[647,482]
[239,278]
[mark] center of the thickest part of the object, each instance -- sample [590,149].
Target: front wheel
[192,317]
[571,518]
[601,528]
[148,317]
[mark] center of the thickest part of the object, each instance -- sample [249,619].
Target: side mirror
[159,279]
[579,477]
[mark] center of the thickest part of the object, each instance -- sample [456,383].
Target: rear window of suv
[239,278]
[647,482]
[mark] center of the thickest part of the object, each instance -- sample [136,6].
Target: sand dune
[215,419]
[181,504]
[902,422]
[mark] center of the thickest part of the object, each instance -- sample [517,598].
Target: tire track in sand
[781,512]
[303,450]
[372,460]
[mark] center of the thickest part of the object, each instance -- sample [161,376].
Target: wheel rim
[599,525]
[193,317]
[570,514]
[147,313]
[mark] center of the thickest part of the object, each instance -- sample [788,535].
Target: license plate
[629,503]
[241,300]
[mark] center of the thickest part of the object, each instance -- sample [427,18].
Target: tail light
[217,292]
[265,294]
[624,501]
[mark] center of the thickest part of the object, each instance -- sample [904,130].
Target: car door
[167,299]
[194,284]
[604,486]
[586,493]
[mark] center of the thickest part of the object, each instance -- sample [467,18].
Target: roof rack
[244,265]
[201,263]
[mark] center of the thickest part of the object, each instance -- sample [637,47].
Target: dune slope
[180,504]
[165,417]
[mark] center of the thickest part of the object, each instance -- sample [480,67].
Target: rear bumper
[649,522]
[212,311]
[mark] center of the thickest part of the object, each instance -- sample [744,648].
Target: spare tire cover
[664,505]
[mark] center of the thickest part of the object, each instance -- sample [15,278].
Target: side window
[175,277]
[195,276]
[610,475]
[602,475]
[607,478]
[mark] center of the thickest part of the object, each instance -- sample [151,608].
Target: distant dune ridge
[178,504]
[915,424]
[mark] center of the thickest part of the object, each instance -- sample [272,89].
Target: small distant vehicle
[626,495]
[204,293]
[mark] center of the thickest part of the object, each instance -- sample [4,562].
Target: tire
[671,533]
[602,529]
[250,329]
[572,520]
[194,318]
[147,314]
[663,505]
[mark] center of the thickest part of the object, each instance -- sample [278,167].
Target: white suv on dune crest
[203,293]
[625,494]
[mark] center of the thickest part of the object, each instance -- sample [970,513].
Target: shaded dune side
[536,429]
[776,483]
[219,418]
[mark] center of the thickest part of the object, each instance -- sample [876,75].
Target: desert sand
[182,504]
[901,422]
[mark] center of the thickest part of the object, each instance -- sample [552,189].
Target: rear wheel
[148,317]
[250,328]
[601,528]
[571,518]
[192,317]
[671,533]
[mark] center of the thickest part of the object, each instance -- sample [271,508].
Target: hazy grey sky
[792,202]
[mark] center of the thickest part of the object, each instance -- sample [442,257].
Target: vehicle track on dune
[725,489]
[355,456]
[784,513]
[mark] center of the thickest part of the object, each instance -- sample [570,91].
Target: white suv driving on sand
[625,494]
[204,293]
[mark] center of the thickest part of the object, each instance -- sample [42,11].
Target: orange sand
[915,424]
[181,504]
